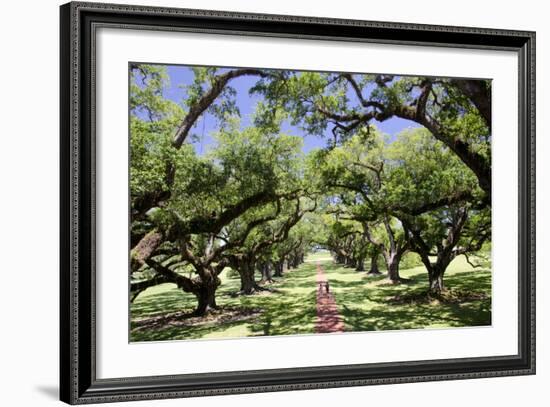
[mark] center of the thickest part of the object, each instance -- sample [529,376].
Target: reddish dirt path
[328,318]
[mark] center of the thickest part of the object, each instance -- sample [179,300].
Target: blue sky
[180,76]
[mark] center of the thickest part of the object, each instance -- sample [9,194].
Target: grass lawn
[290,309]
[371,303]
[365,303]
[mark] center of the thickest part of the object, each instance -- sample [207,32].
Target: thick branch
[242,238]
[186,284]
[389,231]
[215,224]
[462,196]
[137,287]
[359,94]
[208,98]
[479,94]
[282,233]
[145,249]
[475,161]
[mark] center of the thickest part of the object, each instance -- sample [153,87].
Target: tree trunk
[245,266]
[141,252]
[205,292]
[435,277]
[436,271]
[350,261]
[339,258]
[374,265]
[287,266]
[248,283]
[206,297]
[203,286]
[360,263]
[265,269]
[289,262]
[294,261]
[279,268]
[392,263]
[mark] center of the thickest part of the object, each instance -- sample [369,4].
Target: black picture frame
[78,382]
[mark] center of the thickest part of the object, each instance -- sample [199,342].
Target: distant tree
[246,257]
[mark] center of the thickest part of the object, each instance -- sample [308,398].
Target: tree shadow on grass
[381,318]
[365,303]
[290,316]
[182,332]
[478,280]
[168,299]
[374,308]
[289,309]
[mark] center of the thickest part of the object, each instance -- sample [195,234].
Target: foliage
[405,198]
[153,120]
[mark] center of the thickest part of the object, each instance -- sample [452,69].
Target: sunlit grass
[290,309]
[319,256]
[365,303]
[368,303]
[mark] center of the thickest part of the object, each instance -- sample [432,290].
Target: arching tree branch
[208,98]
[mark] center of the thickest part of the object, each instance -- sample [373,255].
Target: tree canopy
[255,201]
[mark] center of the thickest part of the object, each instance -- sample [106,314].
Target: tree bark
[436,270]
[296,262]
[204,288]
[360,263]
[392,264]
[278,266]
[206,296]
[265,269]
[446,249]
[245,266]
[374,265]
[392,252]
[248,283]
[292,262]
[145,248]
[436,280]
[479,94]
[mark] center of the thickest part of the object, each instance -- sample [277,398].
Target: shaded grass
[371,303]
[290,309]
[365,303]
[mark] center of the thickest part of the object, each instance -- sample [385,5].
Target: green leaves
[252,180]
[421,170]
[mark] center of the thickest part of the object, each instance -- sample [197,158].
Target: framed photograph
[254,203]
